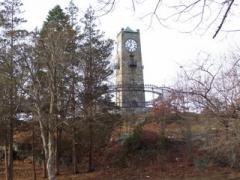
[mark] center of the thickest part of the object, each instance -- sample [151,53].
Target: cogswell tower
[129,71]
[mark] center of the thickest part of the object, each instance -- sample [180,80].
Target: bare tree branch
[133,5]
[107,6]
[224,18]
[206,12]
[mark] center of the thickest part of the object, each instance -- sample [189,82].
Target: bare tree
[202,13]
[213,92]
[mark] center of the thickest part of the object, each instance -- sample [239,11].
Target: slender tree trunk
[6,156]
[12,95]
[10,130]
[33,154]
[51,159]
[90,155]
[57,152]
[51,166]
[58,149]
[10,151]
[44,166]
[44,137]
[74,156]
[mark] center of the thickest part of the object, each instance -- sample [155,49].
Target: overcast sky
[163,49]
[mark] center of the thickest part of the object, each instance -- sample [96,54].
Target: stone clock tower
[129,71]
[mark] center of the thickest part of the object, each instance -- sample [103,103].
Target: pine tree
[94,52]
[72,12]
[12,42]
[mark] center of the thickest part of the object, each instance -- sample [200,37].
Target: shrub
[133,142]
[121,159]
[139,146]
[222,145]
[201,164]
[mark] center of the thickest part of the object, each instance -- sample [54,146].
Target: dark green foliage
[56,14]
[103,128]
[22,151]
[202,163]
[136,148]
[138,142]
[57,20]
[133,142]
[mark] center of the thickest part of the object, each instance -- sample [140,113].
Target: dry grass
[155,171]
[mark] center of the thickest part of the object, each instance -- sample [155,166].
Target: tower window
[132,63]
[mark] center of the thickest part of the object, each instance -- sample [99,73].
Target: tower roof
[128,29]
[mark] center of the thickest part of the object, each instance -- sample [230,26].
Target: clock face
[131,45]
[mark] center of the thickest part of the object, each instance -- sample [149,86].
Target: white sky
[163,50]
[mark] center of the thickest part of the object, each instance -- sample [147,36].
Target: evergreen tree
[12,43]
[72,11]
[94,52]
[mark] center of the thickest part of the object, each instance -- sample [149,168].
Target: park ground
[155,171]
[173,164]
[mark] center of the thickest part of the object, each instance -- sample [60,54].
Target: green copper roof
[128,29]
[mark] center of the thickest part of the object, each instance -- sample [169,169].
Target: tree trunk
[44,144]
[6,156]
[74,157]
[58,149]
[90,155]
[44,166]
[57,153]
[51,158]
[10,151]
[33,154]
